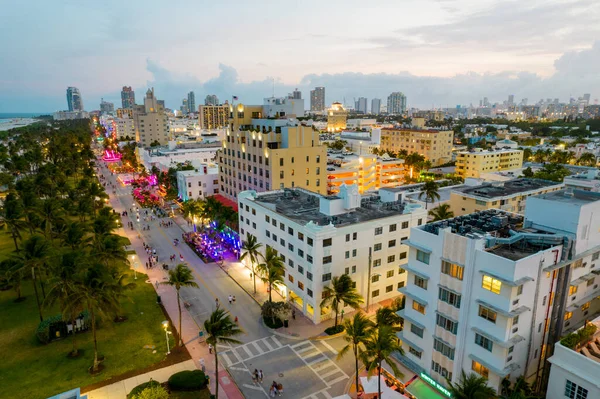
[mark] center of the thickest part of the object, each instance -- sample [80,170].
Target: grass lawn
[38,371]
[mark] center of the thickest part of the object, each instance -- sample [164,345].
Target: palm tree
[75,235]
[50,212]
[521,389]
[380,345]
[220,329]
[430,192]
[251,250]
[441,212]
[271,269]
[386,316]
[357,330]
[527,153]
[588,159]
[180,276]
[340,291]
[471,386]
[32,257]
[11,218]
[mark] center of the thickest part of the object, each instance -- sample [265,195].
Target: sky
[440,53]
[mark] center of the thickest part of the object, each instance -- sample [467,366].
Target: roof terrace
[506,188]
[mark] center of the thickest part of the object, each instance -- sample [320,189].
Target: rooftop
[575,197]
[414,129]
[506,188]
[497,151]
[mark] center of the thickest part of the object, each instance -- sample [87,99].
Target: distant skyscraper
[211,99]
[586,98]
[191,102]
[127,97]
[486,102]
[74,100]
[297,94]
[361,105]
[396,103]
[317,99]
[376,106]
[106,107]
[184,107]
[511,99]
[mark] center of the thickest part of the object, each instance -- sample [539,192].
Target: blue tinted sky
[439,52]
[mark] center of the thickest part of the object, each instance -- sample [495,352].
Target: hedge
[135,391]
[189,380]
[581,335]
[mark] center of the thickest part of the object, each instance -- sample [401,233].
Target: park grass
[32,370]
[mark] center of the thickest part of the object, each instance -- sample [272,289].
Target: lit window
[452,270]
[480,369]
[491,284]
[572,289]
[419,307]
[568,315]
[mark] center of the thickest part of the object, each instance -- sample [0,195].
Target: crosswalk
[249,350]
[319,395]
[325,368]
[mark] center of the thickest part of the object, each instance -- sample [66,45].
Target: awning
[408,292]
[419,247]
[505,344]
[415,272]
[402,314]
[516,312]
[502,373]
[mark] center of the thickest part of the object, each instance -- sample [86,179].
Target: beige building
[336,118]
[509,195]
[150,121]
[435,145]
[472,164]
[125,113]
[213,116]
[125,127]
[270,154]
[368,172]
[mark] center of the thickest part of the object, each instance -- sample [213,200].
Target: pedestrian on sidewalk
[210,348]
[233,299]
[202,365]
[217,302]
[294,314]
[260,376]
[255,376]
[156,284]
[230,299]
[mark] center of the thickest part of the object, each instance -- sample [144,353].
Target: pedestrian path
[317,361]
[249,351]
[319,395]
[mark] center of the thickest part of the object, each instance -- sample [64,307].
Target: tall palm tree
[588,159]
[521,389]
[271,269]
[357,330]
[430,192]
[441,212]
[386,316]
[341,290]
[11,217]
[180,276]
[380,345]
[220,329]
[75,235]
[471,386]
[32,258]
[251,250]
[50,212]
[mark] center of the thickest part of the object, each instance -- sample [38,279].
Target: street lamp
[134,267]
[165,325]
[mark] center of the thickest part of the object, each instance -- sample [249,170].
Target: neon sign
[435,384]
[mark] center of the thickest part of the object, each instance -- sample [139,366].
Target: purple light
[111,156]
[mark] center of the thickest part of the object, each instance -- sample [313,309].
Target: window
[595,256]
[326,277]
[300,236]
[347,237]
[354,236]
[452,270]
[405,225]
[391,243]
[375,278]
[378,230]
[389,288]
[326,259]
[390,273]
[347,255]
[377,247]
[353,269]
[392,227]
[309,292]
[327,242]
[487,314]
[420,282]
[422,256]
[418,331]
[400,284]
[309,259]
[419,307]
[301,285]
[309,276]
[449,297]
[268,233]
[300,253]
[437,368]
[281,226]
[446,323]
[290,247]
[402,255]
[484,342]
[300,269]
[574,391]
[491,284]
[377,262]
[568,315]
[515,320]
[480,369]
[290,263]
[375,294]
[443,348]
[391,258]
[309,241]
[354,253]
[572,289]
[347,270]
[267,219]
[274,222]
[291,278]
[585,306]
[520,289]
[591,282]
[290,231]
[414,352]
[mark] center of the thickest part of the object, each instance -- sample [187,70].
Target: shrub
[188,380]
[137,390]
[274,312]
[272,322]
[581,335]
[334,329]
[153,392]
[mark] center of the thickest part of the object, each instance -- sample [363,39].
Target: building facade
[266,154]
[213,116]
[74,100]
[211,99]
[125,113]
[361,105]
[124,127]
[69,115]
[191,102]
[283,107]
[317,99]
[150,122]
[376,106]
[106,107]
[367,172]
[473,163]
[396,103]
[127,97]
[321,237]
[435,145]
[587,181]
[198,184]
[336,118]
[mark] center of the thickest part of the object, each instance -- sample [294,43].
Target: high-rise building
[127,97]
[106,107]
[336,117]
[396,103]
[191,102]
[151,121]
[317,99]
[74,101]
[586,98]
[361,105]
[184,107]
[511,99]
[486,102]
[213,116]
[376,106]
[211,99]
[296,94]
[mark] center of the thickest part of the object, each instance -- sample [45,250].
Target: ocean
[13,115]
[16,119]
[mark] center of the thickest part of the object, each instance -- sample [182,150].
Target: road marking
[225,359]
[342,378]
[325,344]
[329,373]
[315,359]
[253,387]
[276,341]
[240,369]
[258,348]
[267,344]
[326,394]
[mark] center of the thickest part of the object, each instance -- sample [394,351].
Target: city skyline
[443,38]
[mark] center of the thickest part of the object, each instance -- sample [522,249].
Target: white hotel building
[487,291]
[320,237]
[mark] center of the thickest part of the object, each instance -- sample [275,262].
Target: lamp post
[165,325]
[134,267]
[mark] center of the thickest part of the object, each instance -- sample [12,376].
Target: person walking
[255,376]
[230,299]
[294,314]
[260,376]
[210,348]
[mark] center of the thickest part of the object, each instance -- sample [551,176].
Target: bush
[581,335]
[272,323]
[274,313]
[153,392]
[188,380]
[334,329]
[137,390]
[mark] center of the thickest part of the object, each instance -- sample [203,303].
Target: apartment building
[336,118]
[124,127]
[490,292]
[320,237]
[587,181]
[150,121]
[268,154]
[199,183]
[213,116]
[169,156]
[125,112]
[435,145]
[368,172]
[509,195]
[474,163]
